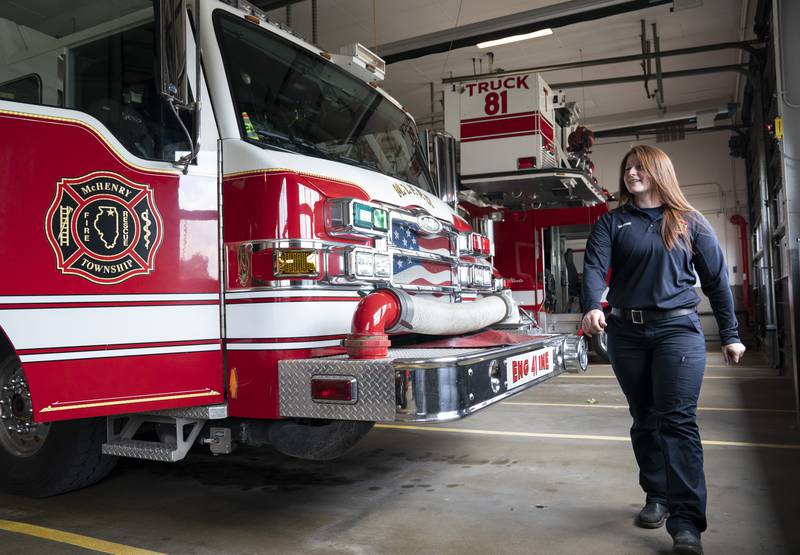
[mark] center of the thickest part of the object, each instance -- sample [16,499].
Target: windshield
[289,98]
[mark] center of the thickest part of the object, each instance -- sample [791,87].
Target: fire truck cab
[218,233]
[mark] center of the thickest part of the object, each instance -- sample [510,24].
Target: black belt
[644,316]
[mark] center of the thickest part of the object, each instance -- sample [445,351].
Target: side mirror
[173,81]
[444,167]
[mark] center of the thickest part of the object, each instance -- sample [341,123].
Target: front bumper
[428,385]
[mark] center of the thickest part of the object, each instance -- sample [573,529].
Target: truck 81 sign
[516,106]
[494,92]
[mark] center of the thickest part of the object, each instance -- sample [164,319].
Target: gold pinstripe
[51,408]
[94,131]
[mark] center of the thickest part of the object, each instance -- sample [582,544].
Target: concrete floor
[549,471]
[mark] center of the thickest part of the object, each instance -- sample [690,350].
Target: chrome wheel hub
[19,434]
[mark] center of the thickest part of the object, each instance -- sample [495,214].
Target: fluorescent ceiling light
[515,38]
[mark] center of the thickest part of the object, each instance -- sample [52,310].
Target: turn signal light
[527,163]
[481,244]
[334,389]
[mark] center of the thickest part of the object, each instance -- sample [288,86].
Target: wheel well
[6,348]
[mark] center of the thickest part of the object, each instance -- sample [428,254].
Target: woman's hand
[733,352]
[594,322]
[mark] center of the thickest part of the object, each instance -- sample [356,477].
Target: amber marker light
[296,263]
[233,384]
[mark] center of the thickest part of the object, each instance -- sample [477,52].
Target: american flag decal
[411,270]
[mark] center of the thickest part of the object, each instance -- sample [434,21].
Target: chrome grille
[421,259]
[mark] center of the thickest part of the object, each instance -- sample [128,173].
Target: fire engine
[217,233]
[526,171]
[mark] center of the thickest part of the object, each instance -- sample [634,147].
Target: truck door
[110,294]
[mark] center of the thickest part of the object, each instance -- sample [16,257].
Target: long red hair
[657,165]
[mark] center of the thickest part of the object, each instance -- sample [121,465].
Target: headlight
[383,265]
[474,276]
[482,276]
[464,275]
[365,264]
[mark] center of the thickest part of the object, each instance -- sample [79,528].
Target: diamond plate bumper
[418,385]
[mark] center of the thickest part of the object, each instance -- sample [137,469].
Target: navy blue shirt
[647,276]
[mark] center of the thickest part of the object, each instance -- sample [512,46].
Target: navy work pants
[660,368]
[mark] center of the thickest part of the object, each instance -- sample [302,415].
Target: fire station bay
[400,277]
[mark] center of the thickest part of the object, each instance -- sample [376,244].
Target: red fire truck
[217,233]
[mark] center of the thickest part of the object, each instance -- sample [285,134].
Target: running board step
[173,446]
[148,450]
[205,412]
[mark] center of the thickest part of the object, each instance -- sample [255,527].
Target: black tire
[600,346]
[47,459]
[321,441]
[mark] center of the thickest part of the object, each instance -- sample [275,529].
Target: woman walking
[654,242]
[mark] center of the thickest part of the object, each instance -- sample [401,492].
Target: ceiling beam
[689,125]
[558,15]
[741,68]
[744,45]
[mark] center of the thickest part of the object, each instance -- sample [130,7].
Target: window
[288,98]
[25,89]
[98,57]
[113,79]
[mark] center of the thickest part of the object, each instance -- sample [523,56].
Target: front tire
[317,440]
[600,346]
[40,459]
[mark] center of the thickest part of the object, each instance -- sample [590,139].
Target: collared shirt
[647,276]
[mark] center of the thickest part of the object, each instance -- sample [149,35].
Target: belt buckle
[637,317]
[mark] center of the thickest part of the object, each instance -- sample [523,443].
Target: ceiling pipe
[558,15]
[646,58]
[636,78]
[738,220]
[651,128]
[314,19]
[659,92]
[747,45]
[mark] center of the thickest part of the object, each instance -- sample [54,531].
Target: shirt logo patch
[104,228]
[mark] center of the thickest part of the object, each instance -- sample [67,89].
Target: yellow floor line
[575,436]
[593,377]
[601,406]
[741,365]
[73,539]
[728,366]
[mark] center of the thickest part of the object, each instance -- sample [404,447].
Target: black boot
[687,542]
[652,515]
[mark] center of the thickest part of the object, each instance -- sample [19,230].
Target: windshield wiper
[361,163]
[293,140]
[270,135]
